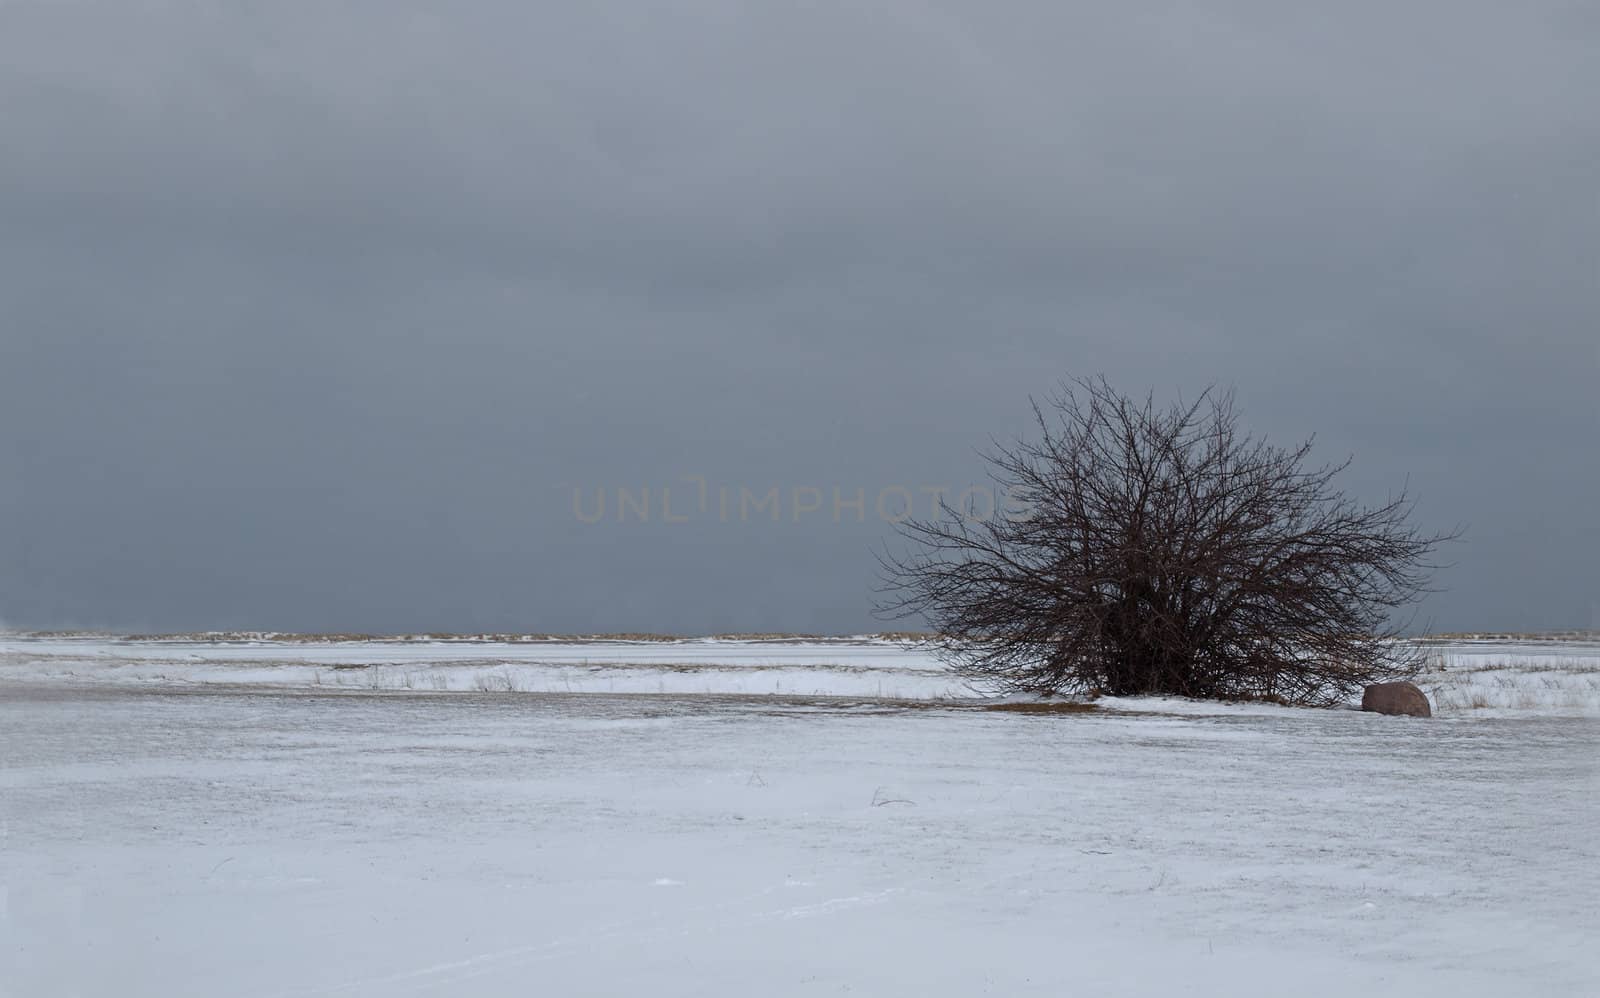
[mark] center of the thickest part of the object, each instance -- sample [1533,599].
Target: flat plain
[264,817]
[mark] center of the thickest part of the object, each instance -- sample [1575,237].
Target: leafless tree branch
[1163,550]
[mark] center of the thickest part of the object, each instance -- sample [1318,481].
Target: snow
[841,667]
[1511,677]
[1503,677]
[207,819]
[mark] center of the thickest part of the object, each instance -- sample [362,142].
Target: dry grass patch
[1042,707]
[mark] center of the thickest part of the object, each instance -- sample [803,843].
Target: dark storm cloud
[315,315]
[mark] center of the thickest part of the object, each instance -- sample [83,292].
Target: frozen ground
[1511,678]
[202,820]
[1499,676]
[843,667]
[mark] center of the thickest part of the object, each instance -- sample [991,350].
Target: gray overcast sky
[313,316]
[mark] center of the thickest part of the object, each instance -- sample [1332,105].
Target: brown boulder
[1396,698]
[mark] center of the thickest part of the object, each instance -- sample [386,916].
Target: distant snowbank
[848,667]
[486,637]
[1467,677]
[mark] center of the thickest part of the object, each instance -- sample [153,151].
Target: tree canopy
[1162,550]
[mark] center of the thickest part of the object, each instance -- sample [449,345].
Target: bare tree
[1162,550]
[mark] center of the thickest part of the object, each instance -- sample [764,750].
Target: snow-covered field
[861,668]
[1502,676]
[730,818]
[1512,677]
